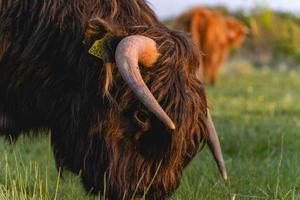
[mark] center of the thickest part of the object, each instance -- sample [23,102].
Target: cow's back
[41,55]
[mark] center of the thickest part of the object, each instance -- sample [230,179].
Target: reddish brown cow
[214,34]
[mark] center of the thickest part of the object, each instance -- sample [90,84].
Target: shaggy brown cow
[214,35]
[116,88]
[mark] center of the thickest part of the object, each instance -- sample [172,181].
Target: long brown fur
[98,127]
[214,35]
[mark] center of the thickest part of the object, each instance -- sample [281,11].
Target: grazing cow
[214,34]
[116,88]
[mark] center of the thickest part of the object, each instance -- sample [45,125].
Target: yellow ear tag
[97,48]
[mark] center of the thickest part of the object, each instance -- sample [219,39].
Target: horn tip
[223,173]
[225,176]
[172,126]
[168,122]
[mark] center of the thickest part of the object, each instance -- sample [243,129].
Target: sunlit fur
[214,34]
[98,127]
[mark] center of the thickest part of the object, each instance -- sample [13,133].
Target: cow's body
[214,35]
[98,127]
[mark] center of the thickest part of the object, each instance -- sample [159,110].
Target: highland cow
[214,35]
[117,89]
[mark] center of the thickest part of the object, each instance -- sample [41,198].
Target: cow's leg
[206,71]
[8,127]
[69,147]
[79,153]
[63,150]
[209,73]
[214,77]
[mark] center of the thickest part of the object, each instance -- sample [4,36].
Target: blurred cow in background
[214,34]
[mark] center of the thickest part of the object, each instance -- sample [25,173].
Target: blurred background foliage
[276,40]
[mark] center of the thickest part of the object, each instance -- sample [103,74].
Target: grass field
[258,120]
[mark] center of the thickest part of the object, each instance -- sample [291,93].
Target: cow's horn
[215,147]
[130,52]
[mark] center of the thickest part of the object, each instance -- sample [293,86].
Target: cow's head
[236,31]
[156,110]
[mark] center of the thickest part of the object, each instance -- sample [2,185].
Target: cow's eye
[142,118]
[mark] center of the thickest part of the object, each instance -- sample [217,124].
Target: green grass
[258,119]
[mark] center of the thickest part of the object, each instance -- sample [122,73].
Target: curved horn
[131,51]
[215,147]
